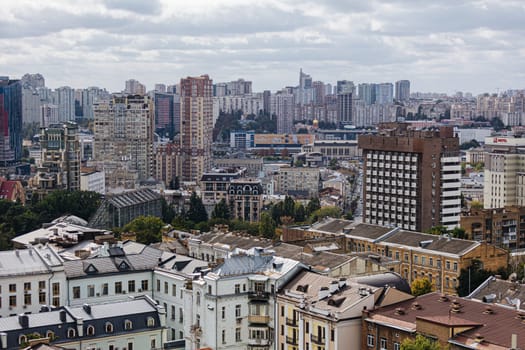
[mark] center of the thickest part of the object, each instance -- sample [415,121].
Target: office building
[10,121]
[123,131]
[504,183]
[196,127]
[165,115]
[402,90]
[411,177]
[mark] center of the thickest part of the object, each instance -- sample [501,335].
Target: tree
[421,286]
[148,229]
[420,343]
[471,277]
[313,205]
[267,226]
[438,230]
[330,211]
[333,164]
[458,232]
[497,124]
[221,210]
[196,213]
[288,206]
[175,183]
[299,213]
[476,205]
[168,214]
[276,212]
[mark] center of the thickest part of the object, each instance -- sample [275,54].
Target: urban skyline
[438,47]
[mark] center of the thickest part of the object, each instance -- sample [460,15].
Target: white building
[30,278]
[93,181]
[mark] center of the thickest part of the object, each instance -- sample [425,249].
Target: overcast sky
[444,45]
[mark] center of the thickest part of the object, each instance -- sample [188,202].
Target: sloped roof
[127,199]
[438,243]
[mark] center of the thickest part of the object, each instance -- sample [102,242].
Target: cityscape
[232,197]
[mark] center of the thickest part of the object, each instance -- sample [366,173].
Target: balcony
[291,340]
[258,296]
[317,339]
[260,342]
[291,322]
[259,319]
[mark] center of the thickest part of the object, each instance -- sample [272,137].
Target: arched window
[128,325]
[109,327]
[22,339]
[71,333]
[90,330]
[151,322]
[198,302]
[50,335]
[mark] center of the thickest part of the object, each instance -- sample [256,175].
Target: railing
[258,319]
[317,339]
[291,322]
[255,295]
[291,340]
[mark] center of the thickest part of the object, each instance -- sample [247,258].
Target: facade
[134,324]
[65,100]
[48,115]
[504,172]
[402,90]
[12,190]
[30,278]
[503,227]
[334,149]
[411,177]
[165,114]
[167,161]
[384,93]
[92,180]
[234,304]
[455,323]
[214,186]
[60,161]
[134,87]
[320,312]
[10,121]
[298,181]
[282,106]
[196,127]
[123,131]
[245,197]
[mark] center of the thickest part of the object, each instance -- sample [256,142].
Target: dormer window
[90,330]
[109,327]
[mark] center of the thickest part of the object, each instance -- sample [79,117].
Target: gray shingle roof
[434,242]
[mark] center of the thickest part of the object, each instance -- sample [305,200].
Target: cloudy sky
[445,45]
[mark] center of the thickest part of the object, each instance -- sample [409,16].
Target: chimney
[334,286]
[80,327]
[63,316]
[324,292]
[342,282]
[3,340]
[513,341]
[23,320]
[87,308]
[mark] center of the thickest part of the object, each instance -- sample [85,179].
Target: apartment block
[297,181]
[245,197]
[504,172]
[411,177]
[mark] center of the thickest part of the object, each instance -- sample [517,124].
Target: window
[27,299]
[76,292]
[383,343]
[128,325]
[430,261]
[181,315]
[55,301]
[423,260]
[91,290]
[158,285]
[447,265]
[105,289]
[237,311]
[144,285]
[223,336]
[12,288]
[447,282]
[90,330]
[307,327]
[282,311]
[153,343]
[22,340]
[237,288]
[209,289]
[438,264]
[151,322]
[56,288]
[41,298]
[130,346]
[223,312]
[397,346]
[397,255]
[71,332]
[27,285]
[173,290]
[332,334]
[370,340]
[198,302]
[109,327]
[118,287]
[165,287]
[406,256]
[172,312]
[455,266]
[238,334]
[131,286]
[416,259]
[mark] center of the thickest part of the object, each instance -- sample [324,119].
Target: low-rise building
[92,180]
[297,181]
[245,197]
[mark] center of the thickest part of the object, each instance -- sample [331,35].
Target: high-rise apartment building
[10,121]
[411,177]
[384,93]
[164,114]
[282,106]
[367,93]
[124,132]
[504,183]
[344,86]
[134,87]
[196,124]
[31,100]
[65,100]
[344,108]
[402,90]
[60,166]
[48,115]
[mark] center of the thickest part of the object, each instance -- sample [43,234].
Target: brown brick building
[411,177]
